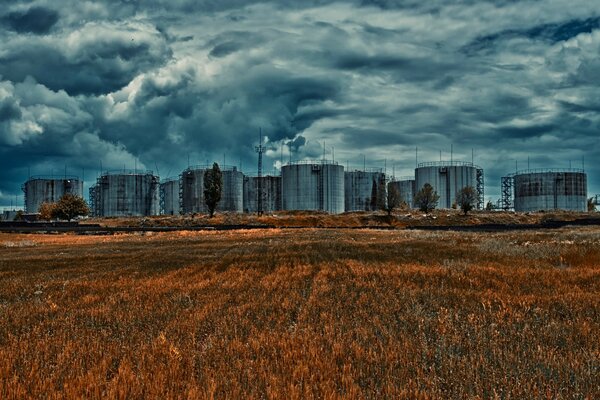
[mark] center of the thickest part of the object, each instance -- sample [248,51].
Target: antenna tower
[259,193]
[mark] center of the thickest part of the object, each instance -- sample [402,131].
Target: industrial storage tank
[169,196]
[125,194]
[191,183]
[49,189]
[364,190]
[313,185]
[448,178]
[406,188]
[550,189]
[271,193]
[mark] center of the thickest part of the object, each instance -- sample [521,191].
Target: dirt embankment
[402,219]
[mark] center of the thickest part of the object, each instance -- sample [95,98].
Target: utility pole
[259,149]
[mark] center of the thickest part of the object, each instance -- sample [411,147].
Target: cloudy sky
[151,83]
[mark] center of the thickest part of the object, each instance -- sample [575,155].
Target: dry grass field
[301,314]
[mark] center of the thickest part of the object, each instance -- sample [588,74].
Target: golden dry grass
[301,314]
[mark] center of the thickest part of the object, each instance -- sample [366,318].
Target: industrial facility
[125,194]
[49,189]
[270,193]
[305,185]
[448,177]
[313,185]
[191,189]
[545,189]
[364,190]
[169,196]
[406,188]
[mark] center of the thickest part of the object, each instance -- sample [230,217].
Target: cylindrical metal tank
[45,189]
[313,185]
[550,189]
[191,183]
[448,178]
[126,194]
[271,193]
[364,190]
[169,196]
[406,188]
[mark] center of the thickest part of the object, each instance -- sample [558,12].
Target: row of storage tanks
[318,186]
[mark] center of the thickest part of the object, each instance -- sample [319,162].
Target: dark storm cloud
[151,83]
[37,20]
[556,32]
[83,63]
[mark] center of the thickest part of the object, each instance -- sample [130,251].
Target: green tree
[393,199]
[466,199]
[213,187]
[426,199]
[46,210]
[70,206]
[489,206]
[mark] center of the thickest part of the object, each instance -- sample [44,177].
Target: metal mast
[259,192]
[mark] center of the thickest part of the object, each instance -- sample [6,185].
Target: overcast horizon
[151,84]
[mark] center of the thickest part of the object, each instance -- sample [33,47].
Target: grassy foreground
[301,314]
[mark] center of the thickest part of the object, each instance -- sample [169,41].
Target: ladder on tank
[480,189]
[320,197]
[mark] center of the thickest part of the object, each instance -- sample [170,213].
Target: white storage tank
[447,178]
[169,196]
[191,183]
[364,190]
[406,188]
[313,185]
[271,193]
[49,189]
[550,189]
[125,193]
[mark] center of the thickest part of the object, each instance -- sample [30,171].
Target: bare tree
[393,199]
[426,199]
[466,199]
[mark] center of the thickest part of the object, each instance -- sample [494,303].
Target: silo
[364,190]
[550,189]
[313,185]
[448,178]
[406,188]
[49,189]
[232,198]
[191,183]
[271,193]
[169,196]
[126,194]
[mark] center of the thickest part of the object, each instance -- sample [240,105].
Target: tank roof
[447,164]
[548,170]
[127,172]
[312,162]
[52,177]
[369,169]
[206,166]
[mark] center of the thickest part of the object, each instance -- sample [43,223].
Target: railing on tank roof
[406,178]
[547,170]
[206,166]
[53,177]
[447,164]
[316,162]
[127,172]
[271,174]
[368,169]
